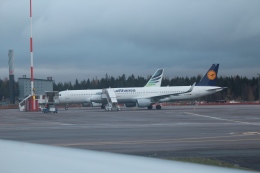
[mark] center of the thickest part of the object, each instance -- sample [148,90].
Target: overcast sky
[88,38]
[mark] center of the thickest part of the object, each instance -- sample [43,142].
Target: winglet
[191,88]
[156,79]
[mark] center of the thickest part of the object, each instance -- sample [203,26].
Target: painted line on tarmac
[223,119]
[165,141]
[251,133]
[60,125]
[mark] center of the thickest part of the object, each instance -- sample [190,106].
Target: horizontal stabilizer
[217,89]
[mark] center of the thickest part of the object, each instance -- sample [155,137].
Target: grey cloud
[120,36]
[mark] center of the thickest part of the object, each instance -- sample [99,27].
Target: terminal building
[40,86]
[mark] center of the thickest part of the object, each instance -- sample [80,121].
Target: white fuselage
[130,95]
[77,96]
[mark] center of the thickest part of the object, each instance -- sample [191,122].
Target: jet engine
[87,100]
[143,102]
[96,98]
[165,100]
[130,104]
[86,104]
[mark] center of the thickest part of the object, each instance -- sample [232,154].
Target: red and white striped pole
[31,50]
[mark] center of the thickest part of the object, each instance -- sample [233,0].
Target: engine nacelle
[86,104]
[165,100]
[96,99]
[130,104]
[143,102]
[87,100]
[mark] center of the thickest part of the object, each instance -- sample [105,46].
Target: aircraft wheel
[66,108]
[158,107]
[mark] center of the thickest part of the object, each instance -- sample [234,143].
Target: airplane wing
[19,157]
[157,98]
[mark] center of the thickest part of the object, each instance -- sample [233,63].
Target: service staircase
[112,104]
[22,104]
[50,97]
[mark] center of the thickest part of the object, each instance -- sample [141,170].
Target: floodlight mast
[31,50]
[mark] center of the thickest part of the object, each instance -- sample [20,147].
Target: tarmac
[227,133]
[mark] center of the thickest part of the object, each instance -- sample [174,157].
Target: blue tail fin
[209,79]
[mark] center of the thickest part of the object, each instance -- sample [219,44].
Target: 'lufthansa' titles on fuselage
[125,90]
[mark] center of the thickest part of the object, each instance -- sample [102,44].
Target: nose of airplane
[58,98]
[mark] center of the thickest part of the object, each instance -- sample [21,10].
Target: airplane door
[67,96]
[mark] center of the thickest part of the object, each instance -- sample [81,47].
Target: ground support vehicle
[50,108]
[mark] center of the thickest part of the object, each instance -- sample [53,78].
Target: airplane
[85,96]
[30,158]
[147,97]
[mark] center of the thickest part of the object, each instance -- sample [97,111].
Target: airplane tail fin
[209,79]
[156,79]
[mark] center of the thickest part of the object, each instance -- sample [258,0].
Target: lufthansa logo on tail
[212,75]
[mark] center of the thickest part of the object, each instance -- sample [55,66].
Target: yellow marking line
[223,119]
[163,141]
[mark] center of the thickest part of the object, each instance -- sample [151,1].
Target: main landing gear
[158,107]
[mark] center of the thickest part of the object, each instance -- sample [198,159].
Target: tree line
[238,88]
